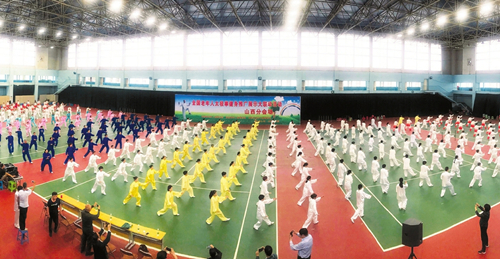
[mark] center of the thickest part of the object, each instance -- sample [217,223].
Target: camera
[261,249]
[168,249]
[291,233]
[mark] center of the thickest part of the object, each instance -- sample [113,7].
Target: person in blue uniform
[119,137]
[89,125]
[10,143]
[99,135]
[91,148]
[159,128]
[46,160]
[50,146]
[19,136]
[41,134]
[84,131]
[135,133]
[56,136]
[33,141]
[26,151]
[105,143]
[70,153]
[87,137]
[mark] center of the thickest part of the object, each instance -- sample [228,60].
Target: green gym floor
[236,238]
[382,215]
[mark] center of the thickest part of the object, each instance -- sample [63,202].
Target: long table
[144,235]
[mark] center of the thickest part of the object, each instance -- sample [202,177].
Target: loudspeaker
[412,232]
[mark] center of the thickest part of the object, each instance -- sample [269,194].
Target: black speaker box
[412,232]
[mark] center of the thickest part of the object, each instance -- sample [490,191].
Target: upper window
[138,52]
[387,53]
[487,55]
[203,50]
[4,51]
[240,48]
[169,51]
[416,55]
[436,59]
[317,49]
[111,53]
[279,48]
[23,53]
[354,51]
[72,55]
[87,54]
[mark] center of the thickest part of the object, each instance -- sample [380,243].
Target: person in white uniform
[361,160]
[424,175]
[401,194]
[435,160]
[312,211]
[374,169]
[384,179]
[446,182]
[305,174]
[360,203]
[138,161]
[122,170]
[455,166]
[407,167]
[149,154]
[99,181]
[478,170]
[261,212]
[307,191]
[341,171]
[381,149]
[126,149]
[392,157]
[112,155]
[348,184]
[70,170]
[93,162]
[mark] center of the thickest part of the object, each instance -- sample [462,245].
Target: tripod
[412,255]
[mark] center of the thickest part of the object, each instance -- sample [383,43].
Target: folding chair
[145,254]
[45,213]
[68,223]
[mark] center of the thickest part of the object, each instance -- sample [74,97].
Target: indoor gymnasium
[253,128]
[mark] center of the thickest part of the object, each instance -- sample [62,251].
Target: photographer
[164,253]
[87,228]
[269,252]
[304,247]
[214,252]
[99,245]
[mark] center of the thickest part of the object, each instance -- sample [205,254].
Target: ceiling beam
[235,12]
[203,8]
[335,10]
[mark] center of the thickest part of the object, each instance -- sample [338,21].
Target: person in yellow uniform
[401,119]
[244,154]
[237,125]
[185,151]
[214,208]
[233,128]
[227,138]
[233,170]
[204,140]
[229,130]
[150,178]
[225,192]
[134,192]
[218,127]
[205,160]
[198,172]
[247,141]
[239,160]
[254,131]
[185,186]
[176,158]
[417,118]
[196,143]
[213,130]
[169,202]
[221,145]
[163,167]
[211,153]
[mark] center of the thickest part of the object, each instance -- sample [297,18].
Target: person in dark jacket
[87,228]
[100,251]
[214,253]
[483,224]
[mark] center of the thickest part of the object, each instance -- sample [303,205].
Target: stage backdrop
[245,109]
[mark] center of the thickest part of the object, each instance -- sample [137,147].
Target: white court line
[276,195]
[249,196]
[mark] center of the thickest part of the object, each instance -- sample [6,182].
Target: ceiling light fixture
[163,26]
[462,14]
[41,31]
[135,14]
[116,6]
[485,8]
[424,26]
[441,20]
[151,21]
[410,31]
